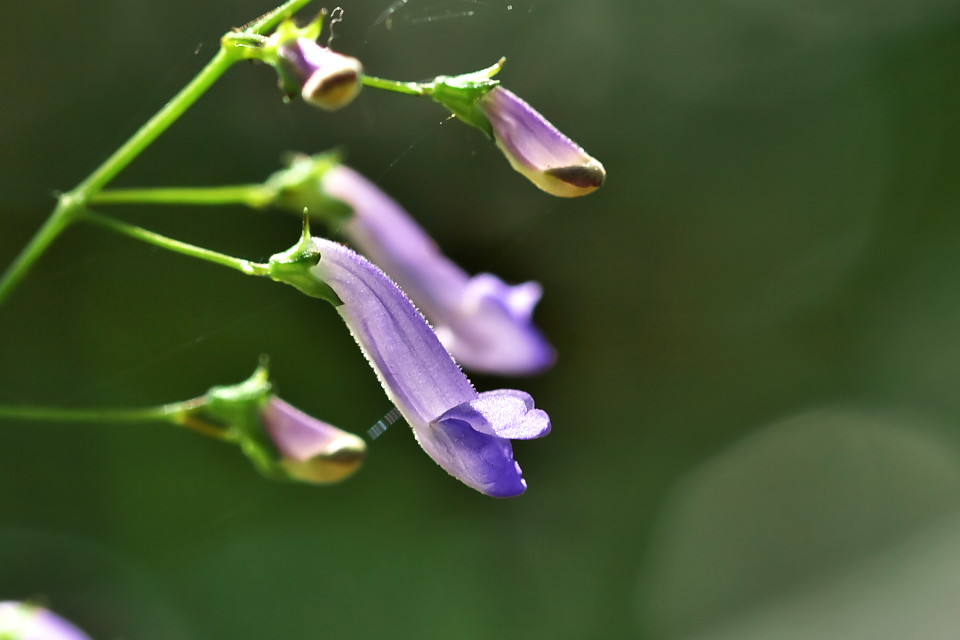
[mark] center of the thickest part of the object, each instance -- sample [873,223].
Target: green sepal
[238,406]
[460,94]
[297,189]
[295,267]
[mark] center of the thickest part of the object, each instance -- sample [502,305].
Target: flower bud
[21,621]
[536,149]
[311,450]
[326,79]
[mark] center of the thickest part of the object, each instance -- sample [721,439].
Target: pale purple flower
[22,621]
[328,79]
[466,433]
[485,323]
[311,450]
[535,148]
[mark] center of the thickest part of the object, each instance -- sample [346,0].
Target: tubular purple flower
[485,323]
[466,433]
[311,450]
[21,621]
[535,148]
[328,79]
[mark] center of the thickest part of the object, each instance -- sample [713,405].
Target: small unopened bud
[326,79]
[536,149]
[311,450]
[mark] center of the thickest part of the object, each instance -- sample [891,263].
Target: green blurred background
[756,416]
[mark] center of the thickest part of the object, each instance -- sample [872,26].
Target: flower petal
[537,149]
[415,370]
[22,621]
[481,461]
[484,323]
[505,413]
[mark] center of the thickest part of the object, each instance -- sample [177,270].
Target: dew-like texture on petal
[505,413]
[485,323]
[415,370]
[537,149]
[481,461]
[20,621]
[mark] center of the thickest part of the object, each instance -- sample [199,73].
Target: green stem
[139,233]
[173,412]
[182,414]
[250,195]
[408,88]
[232,49]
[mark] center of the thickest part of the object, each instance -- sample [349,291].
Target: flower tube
[466,433]
[485,323]
[537,149]
[22,621]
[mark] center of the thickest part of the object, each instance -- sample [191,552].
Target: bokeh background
[756,409]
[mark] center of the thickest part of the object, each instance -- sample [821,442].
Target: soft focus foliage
[754,406]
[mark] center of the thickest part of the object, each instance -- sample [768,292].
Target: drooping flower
[537,149]
[325,78]
[311,450]
[466,433]
[22,621]
[485,323]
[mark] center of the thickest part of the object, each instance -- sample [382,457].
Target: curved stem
[157,240]
[233,48]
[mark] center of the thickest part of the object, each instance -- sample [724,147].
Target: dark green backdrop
[755,409]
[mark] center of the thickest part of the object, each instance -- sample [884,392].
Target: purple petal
[311,450]
[27,622]
[483,462]
[485,323]
[328,79]
[537,149]
[506,413]
[417,373]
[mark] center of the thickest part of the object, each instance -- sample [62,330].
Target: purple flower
[326,79]
[311,450]
[535,148]
[485,323]
[466,433]
[20,621]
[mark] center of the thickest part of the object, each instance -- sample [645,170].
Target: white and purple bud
[537,149]
[311,450]
[22,621]
[323,77]
[466,433]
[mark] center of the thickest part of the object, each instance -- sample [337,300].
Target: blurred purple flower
[326,79]
[466,433]
[535,148]
[21,621]
[311,450]
[485,323]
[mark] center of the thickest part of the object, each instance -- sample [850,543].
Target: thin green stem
[408,88]
[181,414]
[157,240]
[234,47]
[250,195]
[173,412]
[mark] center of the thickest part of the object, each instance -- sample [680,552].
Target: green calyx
[295,267]
[239,407]
[298,189]
[460,94]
